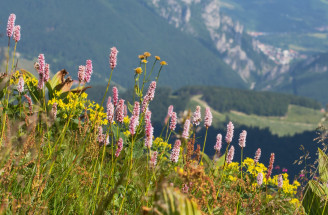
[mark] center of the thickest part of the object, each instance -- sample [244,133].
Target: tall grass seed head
[113,57]
[242,139]
[17,33]
[196,117]
[11,25]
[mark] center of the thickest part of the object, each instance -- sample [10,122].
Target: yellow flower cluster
[126,120]
[252,168]
[97,114]
[286,187]
[160,143]
[74,102]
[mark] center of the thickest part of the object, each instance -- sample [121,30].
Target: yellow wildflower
[163,63]
[157,58]
[138,70]
[147,54]
[126,120]
[144,61]
[141,56]
[127,133]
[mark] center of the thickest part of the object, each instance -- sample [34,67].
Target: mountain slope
[69,32]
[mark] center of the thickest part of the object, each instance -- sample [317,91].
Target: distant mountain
[69,32]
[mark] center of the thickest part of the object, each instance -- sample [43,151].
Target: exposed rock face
[203,19]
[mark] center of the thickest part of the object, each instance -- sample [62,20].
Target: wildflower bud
[119,147]
[280,181]
[88,71]
[54,110]
[17,34]
[134,122]
[115,96]
[136,109]
[260,179]
[29,101]
[218,144]
[208,118]
[120,111]
[230,155]
[11,24]
[173,122]
[113,57]
[175,151]
[242,139]
[46,73]
[196,118]
[185,133]
[270,166]
[20,86]
[151,91]
[229,134]
[42,63]
[153,160]
[81,74]
[257,155]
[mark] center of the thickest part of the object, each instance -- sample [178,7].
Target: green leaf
[323,165]
[315,199]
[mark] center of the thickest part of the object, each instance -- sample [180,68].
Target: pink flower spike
[115,96]
[88,71]
[151,91]
[113,57]
[218,144]
[20,86]
[186,128]
[29,101]
[175,151]
[257,155]
[242,139]
[270,166]
[153,159]
[208,118]
[17,34]
[170,110]
[41,63]
[120,111]
[41,80]
[11,24]
[148,117]
[119,147]
[149,135]
[46,73]
[134,122]
[196,118]
[81,74]
[260,179]
[230,155]
[173,122]
[229,134]
[136,109]
[280,181]
[110,111]
[100,134]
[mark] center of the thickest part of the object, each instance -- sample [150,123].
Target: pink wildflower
[136,109]
[110,111]
[173,122]
[20,86]
[115,96]
[100,134]
[230,155]
[46,73]
[125,110]
[144,104]
[11,24]
[257,155]
[149,135]
[270,166]
[284,170]
[151,91]
[229,134]
[81,74]
[41,63]
[280,181]
[153,160]
[260,179]
[208,118]
[169,114]
[186,128]
[120,111]
[196,118]
[147,117]
[119,147]
[242,139]
[185,188]
[134,122]
[175,151]
[88,71]
[113,57]
[17,34]
[218,144]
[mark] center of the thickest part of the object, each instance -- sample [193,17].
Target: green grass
[297,120]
